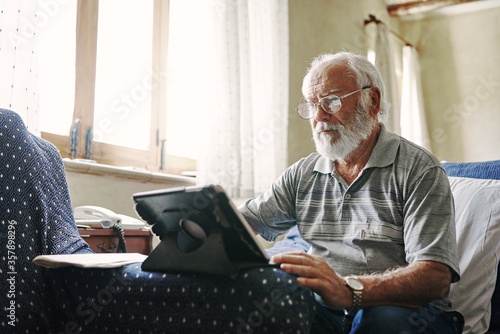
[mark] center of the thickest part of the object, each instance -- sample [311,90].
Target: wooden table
[105,240]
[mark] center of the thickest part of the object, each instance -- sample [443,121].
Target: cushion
[476,170]
[481,170]
[478,231]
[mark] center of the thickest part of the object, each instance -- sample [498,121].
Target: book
[96,260]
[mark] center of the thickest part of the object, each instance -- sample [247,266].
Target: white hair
[364,72]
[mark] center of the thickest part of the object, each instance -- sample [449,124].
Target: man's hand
[416,284]
[315,273]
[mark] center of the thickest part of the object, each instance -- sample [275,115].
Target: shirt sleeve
[273,212]
[429,227]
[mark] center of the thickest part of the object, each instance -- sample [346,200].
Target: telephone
[96,216]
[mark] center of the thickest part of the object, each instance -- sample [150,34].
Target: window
[102,71]
[184,105]
[123,83]
[56,70]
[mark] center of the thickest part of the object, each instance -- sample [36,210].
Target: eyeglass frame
[314,105]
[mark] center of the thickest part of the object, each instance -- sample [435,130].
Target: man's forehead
[324,81]
[320,91]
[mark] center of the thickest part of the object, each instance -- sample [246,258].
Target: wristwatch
[356,287]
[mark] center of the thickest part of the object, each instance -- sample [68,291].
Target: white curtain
[18,60]
[413,122]
[382,56]
[239,92]
[407,114]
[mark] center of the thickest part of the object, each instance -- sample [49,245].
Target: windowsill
[83,167]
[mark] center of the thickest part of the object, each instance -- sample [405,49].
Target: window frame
[154,159]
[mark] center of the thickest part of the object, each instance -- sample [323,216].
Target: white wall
[459,50]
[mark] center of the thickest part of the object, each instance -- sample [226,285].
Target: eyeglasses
[330,104]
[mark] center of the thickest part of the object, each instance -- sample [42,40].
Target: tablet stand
[210,257]
[205,252]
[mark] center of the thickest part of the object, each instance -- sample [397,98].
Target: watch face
[354,283]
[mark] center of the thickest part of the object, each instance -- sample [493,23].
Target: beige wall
[319,26]
[460,68]
[113,187]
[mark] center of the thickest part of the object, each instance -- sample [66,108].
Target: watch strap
[351,312]
[356,304]
[346,324]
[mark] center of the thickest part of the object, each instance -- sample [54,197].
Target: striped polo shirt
[397,211]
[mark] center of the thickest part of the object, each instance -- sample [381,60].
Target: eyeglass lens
[329,104]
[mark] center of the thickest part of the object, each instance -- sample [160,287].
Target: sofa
[476,191]
[36,218]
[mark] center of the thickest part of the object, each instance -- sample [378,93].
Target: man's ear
[375,98]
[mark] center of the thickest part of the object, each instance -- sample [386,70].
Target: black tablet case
[200,231]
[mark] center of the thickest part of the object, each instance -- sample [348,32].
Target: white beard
[349,138]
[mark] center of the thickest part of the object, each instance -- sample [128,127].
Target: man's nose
[321,114]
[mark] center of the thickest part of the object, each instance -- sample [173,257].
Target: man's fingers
[315,284]
[299,270]
[291,257]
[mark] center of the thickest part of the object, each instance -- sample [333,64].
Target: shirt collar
[323,165]
[383,153]
[385,150]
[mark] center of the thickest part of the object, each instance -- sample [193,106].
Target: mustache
[327,127]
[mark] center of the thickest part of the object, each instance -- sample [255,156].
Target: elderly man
[376,209]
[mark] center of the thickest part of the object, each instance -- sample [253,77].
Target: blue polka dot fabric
[36,218]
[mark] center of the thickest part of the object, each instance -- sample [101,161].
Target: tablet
[200,231]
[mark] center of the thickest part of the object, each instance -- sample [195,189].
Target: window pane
[188,53]
[124,73]
[56,33]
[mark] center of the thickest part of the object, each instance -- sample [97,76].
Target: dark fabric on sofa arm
[36,218]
